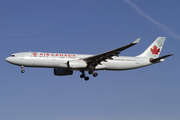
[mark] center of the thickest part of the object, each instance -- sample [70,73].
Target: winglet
[136,41]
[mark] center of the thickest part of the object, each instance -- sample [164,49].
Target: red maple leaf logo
[155,50]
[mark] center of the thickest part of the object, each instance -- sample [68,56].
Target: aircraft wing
[97,59]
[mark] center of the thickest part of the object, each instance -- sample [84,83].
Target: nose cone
[12,59]
[7,59]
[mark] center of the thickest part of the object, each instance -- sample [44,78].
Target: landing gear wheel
[86,78]
[95,74]
[22,71]
[90,72]
[82,76]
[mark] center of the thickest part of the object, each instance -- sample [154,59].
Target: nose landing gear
[22,69]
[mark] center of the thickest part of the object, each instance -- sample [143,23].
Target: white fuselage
[59,60]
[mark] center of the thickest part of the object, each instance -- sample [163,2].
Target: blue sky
[89,27]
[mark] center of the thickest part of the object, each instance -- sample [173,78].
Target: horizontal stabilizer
[160,59]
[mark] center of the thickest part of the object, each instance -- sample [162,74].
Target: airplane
[64,63]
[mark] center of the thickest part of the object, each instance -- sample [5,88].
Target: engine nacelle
[77,64]
[62,72]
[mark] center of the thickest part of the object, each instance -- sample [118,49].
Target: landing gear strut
[22,69]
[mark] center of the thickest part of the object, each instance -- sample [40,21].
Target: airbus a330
[65,64]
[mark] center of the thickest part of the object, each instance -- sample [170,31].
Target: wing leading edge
[97,59]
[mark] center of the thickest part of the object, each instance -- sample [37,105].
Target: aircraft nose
[7,59]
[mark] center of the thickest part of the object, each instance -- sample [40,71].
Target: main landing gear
[83,75]
[22,69]
[92,72]
[86,78]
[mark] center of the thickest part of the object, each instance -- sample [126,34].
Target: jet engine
[77,64]
[62,72]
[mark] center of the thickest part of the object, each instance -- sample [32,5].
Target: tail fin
[154,50]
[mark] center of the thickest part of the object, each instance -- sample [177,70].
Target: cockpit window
[12,56]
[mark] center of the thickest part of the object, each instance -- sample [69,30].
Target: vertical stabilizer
[154,50]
